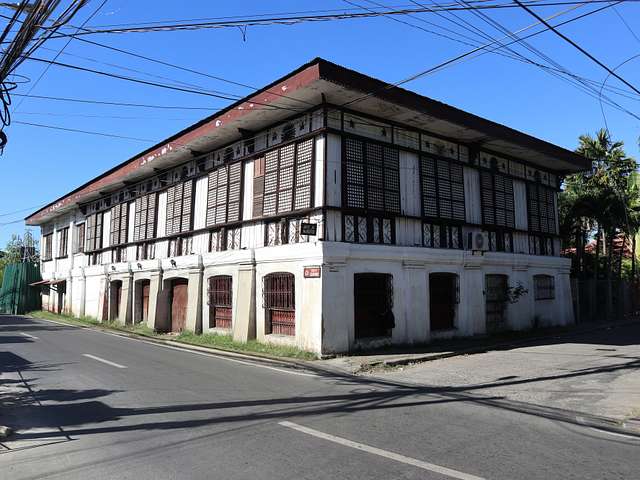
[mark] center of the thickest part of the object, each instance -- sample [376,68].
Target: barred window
[63,242]
[442,186]
[279,302]
[368,229]
[441,236]
[180,246]
[286,184]
[372,176]
[497,199]
[541,209]
[144,220]
[119,223]
[220,301]
[276,233]
[179,207]
[94,232]
[79,238]
[146,251]
[544,287]
[223,198]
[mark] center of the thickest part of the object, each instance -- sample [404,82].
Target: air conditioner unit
[480,241]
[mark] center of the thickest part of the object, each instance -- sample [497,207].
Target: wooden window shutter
[258,186]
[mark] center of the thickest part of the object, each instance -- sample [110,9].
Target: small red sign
[312,272]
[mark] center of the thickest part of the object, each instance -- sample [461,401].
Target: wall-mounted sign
[309,229]
[312,272]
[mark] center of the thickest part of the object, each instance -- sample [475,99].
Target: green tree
[17,250]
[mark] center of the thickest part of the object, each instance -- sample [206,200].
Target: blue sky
[39,165]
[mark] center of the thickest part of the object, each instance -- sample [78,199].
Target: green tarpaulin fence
[16,296]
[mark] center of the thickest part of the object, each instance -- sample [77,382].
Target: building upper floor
[324,153]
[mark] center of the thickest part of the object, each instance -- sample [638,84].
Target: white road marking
[28,336]
[383,453]
[113,364]
[206,354]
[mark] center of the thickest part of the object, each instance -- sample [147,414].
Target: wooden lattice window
[144,220]
[47,247]
[179,208]
[372,176]
[279,302]
[497,199]
[500,241]
[220,301]
[63,242]
[79,238]
[258,186]
[541,208]
[442,185]
[119,223]
[286,183]
[223,198]
[540,245]
[94,232]
[544,287]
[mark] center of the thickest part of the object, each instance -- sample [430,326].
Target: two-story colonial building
[329,211]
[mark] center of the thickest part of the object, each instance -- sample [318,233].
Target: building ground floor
[324,297]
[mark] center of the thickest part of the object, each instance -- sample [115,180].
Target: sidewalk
[370,362]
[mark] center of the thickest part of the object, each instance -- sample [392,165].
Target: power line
[114,117]
[626,25]
[75,130]
[469,53]
[119,104]
[46,69]
[575,45]
[291,20]
[150,83]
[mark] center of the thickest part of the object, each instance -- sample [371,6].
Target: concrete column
[338,329]
[103,299]
[564,299]
[472,308]
[244,320]
[415,297]
[155,286]
[83,286]
[194,301]
[68,305]
[126,301]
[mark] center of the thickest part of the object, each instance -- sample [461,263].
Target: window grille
[180,246]
[497,199]
[442,185]
[179,207]
[278,290]
[372,176]
[541,209]
[544,287]
[368,229]
[500,241]
[441,236]
[220,301]
[119,223]
[540,245]
[144,219]
[146,251]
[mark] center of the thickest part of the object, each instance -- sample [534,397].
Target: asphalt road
[91,405]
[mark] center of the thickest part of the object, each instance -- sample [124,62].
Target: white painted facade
[324,306]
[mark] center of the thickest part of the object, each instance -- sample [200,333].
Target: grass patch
[226,342]
[223,342]
[92,322]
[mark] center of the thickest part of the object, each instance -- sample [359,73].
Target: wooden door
[146,286]
[373,305]
[179,299]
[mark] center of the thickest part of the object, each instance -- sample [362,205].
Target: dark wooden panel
[179,298]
